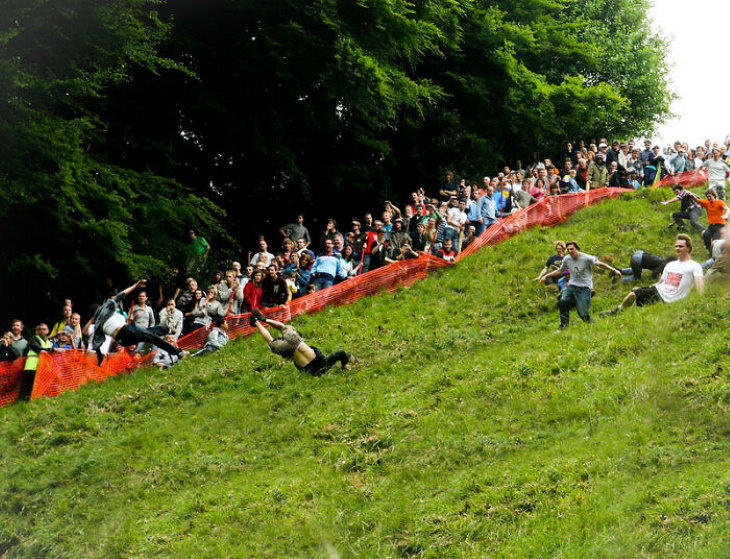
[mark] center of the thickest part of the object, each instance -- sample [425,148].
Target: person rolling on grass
[109,321]
[677,280]
[290,345]
[580,286]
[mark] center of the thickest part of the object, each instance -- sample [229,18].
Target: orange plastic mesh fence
[688,179]
[70,369]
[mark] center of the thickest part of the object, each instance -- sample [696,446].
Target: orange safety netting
[688,179]
[67,370]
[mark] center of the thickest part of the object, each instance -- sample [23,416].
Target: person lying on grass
[677,280]
[290,345]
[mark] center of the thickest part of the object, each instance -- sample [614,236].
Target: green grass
[470,429]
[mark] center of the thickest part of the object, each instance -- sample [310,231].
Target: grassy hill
[470,429]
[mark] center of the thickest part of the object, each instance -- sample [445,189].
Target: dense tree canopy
[123,123]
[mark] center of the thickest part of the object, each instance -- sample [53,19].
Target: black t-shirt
[553,261]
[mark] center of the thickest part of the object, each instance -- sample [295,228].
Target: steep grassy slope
[471,429]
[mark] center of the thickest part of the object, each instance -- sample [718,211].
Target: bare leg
[628,301]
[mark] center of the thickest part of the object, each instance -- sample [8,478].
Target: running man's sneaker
[256,315]
[351,360]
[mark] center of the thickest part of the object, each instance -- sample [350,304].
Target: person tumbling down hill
[290,345]
[109,321]
[677,280]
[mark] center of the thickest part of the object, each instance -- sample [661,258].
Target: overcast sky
[699,71]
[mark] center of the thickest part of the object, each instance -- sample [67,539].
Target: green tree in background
[72,218]
[124,123]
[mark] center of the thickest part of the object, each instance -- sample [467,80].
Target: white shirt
[456,216]
[113,323]
[678,279]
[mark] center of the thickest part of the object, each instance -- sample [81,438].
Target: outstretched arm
[609,268]
[675,199]
[264,331]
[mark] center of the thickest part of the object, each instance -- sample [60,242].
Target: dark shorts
[646,296]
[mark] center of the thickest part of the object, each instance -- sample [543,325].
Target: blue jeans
[323,281]
[580,297]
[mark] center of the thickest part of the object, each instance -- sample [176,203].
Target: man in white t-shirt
[718,171]
[455,221]
[677,280]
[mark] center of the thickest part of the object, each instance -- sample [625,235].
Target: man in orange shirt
[717,214]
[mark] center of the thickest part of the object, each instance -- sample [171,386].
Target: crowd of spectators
[441,222]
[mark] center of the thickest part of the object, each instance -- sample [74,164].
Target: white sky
[698,35]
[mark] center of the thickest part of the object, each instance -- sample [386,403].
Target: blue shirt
[487,208]
[329,264]
[472,210]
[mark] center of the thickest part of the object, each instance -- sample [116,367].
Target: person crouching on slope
[290,345]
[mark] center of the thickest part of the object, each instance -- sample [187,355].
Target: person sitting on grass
[163,359]
[290,345]
[677,280]
[553,263]
[217,338]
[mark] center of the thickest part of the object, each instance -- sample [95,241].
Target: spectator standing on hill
[302,247]
[296,230]
[379,251]
[580,285]
[20,344]
[196,250]
[142,316]
[263,256]
[597,174]
[523,198]
[38,344]
[327,267]
[718,171]
[66,312]
[274,291]
[676,283]
[456,219]
[688,209]
[486,210]
[63,340]
[253,291]
[679,161]
[230,293]
[172,319]
[6,347]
